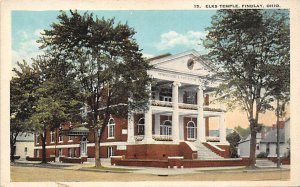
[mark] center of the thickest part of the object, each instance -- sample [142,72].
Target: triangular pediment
[188,62]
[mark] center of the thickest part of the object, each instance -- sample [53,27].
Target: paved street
[26,172]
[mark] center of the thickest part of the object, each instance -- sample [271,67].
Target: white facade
[244,146]
[24,146]
[180,84]
[267,144]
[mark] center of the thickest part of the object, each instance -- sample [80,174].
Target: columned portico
[175,114]
[177,111]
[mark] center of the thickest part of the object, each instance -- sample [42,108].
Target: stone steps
[265,163]
[205,153]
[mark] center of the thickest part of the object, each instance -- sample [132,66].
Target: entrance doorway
[83,146]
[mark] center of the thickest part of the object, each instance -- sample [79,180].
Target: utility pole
[277,125]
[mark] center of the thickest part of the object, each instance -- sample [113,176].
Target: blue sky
[158,32]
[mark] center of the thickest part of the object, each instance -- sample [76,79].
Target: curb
[103,171]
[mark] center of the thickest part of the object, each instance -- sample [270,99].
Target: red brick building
[176,124]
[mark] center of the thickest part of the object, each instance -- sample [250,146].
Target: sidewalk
[148,170]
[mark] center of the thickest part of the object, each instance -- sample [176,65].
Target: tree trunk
[97,149]
[12,152]
[12,146]
[44,160]
[252,149]
[253,132]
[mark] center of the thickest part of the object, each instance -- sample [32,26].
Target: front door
[109,152]
[83,146]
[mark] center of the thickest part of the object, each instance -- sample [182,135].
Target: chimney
[281,125]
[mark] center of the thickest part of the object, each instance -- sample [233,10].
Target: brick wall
[186,151]
[157,151]
[151,151]
[120,123]
[179,163]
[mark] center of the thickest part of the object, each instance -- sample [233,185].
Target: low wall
[140,163]
[186,151]
[49,159]
[214,163]
[179,163]
[284,161]
[73,160]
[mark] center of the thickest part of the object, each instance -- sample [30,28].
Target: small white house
[266,142]
[244,146]
[25,145]
[269,143]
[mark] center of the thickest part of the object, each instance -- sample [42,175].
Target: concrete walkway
[148,170]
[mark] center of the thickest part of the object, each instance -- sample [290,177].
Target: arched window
[141,126]
[111,128]
[166,128]
[191,130]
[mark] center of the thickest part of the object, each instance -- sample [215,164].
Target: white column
[175,115]
[222,129]
[181,128]
[148,126]
[200,116]
[148,122]
[156,95]
[130,128]
[157,124]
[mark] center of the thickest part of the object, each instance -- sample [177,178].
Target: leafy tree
[247,48]
[22,101]
[233,139]
[242,132]
[108,63]
[58,97]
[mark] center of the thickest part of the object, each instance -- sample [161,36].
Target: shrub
[262,155]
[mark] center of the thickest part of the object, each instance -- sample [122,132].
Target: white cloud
[27,48]
[147,55]
[171,39]
[38,32]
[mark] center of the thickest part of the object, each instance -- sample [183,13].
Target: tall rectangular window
[190,97]
[74,152]
[111,128]
[37,138]
[60,138]
[52,137]
[69,152]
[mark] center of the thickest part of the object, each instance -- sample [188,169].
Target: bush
[262,155]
